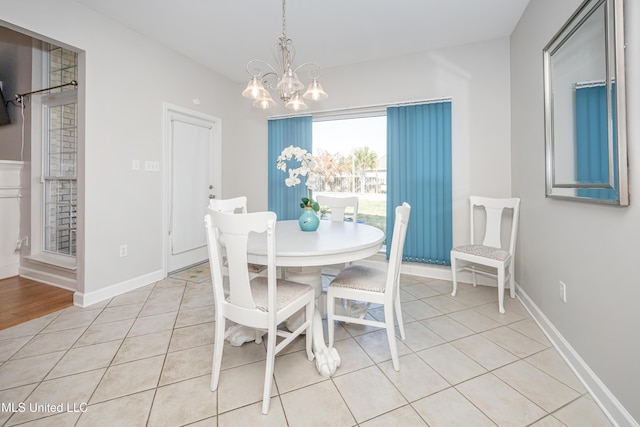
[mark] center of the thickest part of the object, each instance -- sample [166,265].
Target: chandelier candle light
[282,79]
[309,220]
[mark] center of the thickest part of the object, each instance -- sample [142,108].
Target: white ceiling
[225,34]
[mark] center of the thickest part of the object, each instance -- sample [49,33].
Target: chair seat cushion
[361,277]
[256,268]
[287,293]
[483,251]
[253,268]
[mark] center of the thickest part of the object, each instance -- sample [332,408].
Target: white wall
[127,79]
[590,247]
[124,91]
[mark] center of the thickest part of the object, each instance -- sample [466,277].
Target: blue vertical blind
[592,149]
[296,131]
[419,173]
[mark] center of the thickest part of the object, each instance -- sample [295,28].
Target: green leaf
[315,206]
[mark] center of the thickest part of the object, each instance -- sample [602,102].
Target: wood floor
[25,299]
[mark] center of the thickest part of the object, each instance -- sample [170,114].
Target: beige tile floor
[144,359]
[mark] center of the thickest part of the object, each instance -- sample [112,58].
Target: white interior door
[194,171]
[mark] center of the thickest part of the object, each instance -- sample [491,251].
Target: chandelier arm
[268,84]
[257,70]
[314,72]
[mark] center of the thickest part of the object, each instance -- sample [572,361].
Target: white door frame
[167,111]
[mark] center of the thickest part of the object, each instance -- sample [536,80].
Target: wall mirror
[585,113]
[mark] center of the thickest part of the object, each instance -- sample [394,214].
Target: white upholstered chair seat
[288,292]
[483,251]
[361,278]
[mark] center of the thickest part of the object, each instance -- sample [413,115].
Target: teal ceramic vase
[309,221]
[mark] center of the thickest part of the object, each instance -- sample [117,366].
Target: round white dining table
[333,242]
[304,253]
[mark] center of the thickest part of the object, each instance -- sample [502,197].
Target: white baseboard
[49,278]
[612,408]
[414,268]
[86,299]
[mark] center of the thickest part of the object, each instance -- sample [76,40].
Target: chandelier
[282,80]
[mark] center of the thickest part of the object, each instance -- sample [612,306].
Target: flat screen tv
[4,114]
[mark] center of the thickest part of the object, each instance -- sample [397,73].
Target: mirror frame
[614,57]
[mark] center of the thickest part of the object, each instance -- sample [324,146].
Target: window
[351,155]
[60,151]
[418,140]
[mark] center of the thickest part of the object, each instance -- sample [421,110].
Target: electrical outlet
[124,251]
[563,291]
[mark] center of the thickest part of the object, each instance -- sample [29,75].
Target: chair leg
[454,274]
[330,311]
[512,281]
[501,290]
[399,315]
[268,372]
[391,335]
[258,336]
[309,339]
[218,347]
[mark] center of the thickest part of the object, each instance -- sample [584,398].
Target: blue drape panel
[592,151]
[296,131]
[419,173]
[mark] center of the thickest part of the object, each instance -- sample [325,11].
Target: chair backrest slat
[400,225]
[494,208]
[339,205]
[235,205]
[234,230]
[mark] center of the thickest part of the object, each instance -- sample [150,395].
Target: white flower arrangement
[306,168]
[307,165]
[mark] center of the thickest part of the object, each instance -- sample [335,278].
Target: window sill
[56,261]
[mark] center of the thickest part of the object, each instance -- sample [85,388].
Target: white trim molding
[10,211]
[82,299]
[51,276]
[612,408]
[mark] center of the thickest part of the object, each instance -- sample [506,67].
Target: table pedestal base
[327,359]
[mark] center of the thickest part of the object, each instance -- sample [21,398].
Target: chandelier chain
[284,21]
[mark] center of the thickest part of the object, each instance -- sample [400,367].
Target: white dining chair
[371,285]
[338,206]
[235,205]
[489,257]
[261,302]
